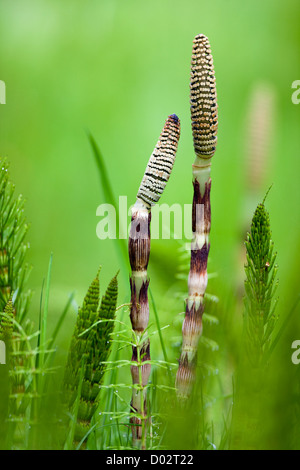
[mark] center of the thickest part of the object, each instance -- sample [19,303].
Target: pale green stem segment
[201,171]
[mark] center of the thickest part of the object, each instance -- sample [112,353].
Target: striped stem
[204,117]
[152,186]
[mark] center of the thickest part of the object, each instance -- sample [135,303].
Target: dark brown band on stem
[144,352]
[193,314]
[192,327]
[139,240]
[199,257]
[139,311]
[136,424]
[185,377]
[145,368]
[199,211]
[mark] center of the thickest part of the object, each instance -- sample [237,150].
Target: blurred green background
[118,68]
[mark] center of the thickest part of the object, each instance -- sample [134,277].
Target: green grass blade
[158,328]
[69,442]
[43,331]
[109,196]
[61,321]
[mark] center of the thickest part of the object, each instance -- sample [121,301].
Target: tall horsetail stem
[260,286]
[253,404]
[13,247]
[204,116]
[14,303]
[152,186]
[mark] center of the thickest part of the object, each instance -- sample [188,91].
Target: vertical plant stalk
[260,287]
[204,116]
[253,403]
[152,186]
[13,230]
[14,301]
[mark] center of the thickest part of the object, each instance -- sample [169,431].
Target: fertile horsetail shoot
[152,186]
[204,115]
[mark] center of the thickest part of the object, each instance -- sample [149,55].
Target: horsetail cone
[161,163]
[203,99]
[152,186]
[204,116]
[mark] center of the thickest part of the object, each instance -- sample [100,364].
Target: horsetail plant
[89,350]
[260,286]
[204,116]
[14,301]
[6,324]
[252,385]
[18,372]
[13,229]
[152,186]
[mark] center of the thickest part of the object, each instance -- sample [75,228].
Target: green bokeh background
[118,68]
